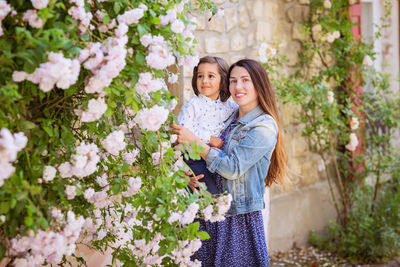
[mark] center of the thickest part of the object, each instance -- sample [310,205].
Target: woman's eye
[233,81]
[199,76]
[210,76]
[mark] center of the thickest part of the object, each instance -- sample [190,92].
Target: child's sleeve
[186,115]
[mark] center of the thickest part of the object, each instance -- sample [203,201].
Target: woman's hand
[184,135]
[194,180]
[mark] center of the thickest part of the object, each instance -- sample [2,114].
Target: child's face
[208,80]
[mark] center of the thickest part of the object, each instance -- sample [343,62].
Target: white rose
[49,173]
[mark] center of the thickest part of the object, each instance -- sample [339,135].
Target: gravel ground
[314,258]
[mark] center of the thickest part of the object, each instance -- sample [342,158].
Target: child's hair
[223,67]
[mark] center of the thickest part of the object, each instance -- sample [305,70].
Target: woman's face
[242,89]
[208,80]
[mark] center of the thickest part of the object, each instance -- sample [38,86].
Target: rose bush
[86,154]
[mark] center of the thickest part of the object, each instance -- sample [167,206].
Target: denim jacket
[244,163]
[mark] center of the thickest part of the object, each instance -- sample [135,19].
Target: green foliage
[371,234]
[51,122]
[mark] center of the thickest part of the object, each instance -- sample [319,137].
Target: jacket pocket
[240,135]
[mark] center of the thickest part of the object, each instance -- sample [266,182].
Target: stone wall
[304,205]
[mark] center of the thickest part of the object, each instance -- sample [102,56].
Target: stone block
[291,50]
[304,2]
[297,32]
[298,147]
[187,72]
[219,2]
[198,48]
[310,169]
[295,214]
[250,39]
[316,61]
[216,24]
[201,22]
[297,13]
[244,20]
[282,31]
[249,5]
[231,18]
[271,10]
[294,166]
[258,9]
[234,1]
[235,57]
[238,42]
[289,113]
[216,45]
[264,31]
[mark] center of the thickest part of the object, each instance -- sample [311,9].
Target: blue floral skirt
[237,241]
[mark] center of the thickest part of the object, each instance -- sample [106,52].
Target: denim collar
[254,113]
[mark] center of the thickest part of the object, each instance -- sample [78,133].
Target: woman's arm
[258,142]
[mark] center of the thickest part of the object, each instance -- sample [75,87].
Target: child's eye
[211,76]
[199,76]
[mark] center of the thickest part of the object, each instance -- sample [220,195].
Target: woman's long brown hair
[278,166]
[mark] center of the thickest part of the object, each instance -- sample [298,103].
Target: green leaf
[117,7]
[135,40]
[140,58]
[142,29]
[20,196]
[2,251]
[160,211]
[48,130]
[74,50]
[60,5]
[28,221]
[109,112]
[42,223]
[155,20]
[4,207]
[203,235]
[26,125]
[106,19]
[116,188]
[85,37]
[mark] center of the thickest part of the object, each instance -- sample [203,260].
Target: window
[370,19]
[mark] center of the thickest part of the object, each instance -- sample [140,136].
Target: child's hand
[184,135]
[216,142]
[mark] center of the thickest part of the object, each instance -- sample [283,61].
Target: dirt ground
[312,257]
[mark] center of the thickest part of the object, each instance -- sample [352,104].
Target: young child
[205,113]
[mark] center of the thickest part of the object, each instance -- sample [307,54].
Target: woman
[251,158]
